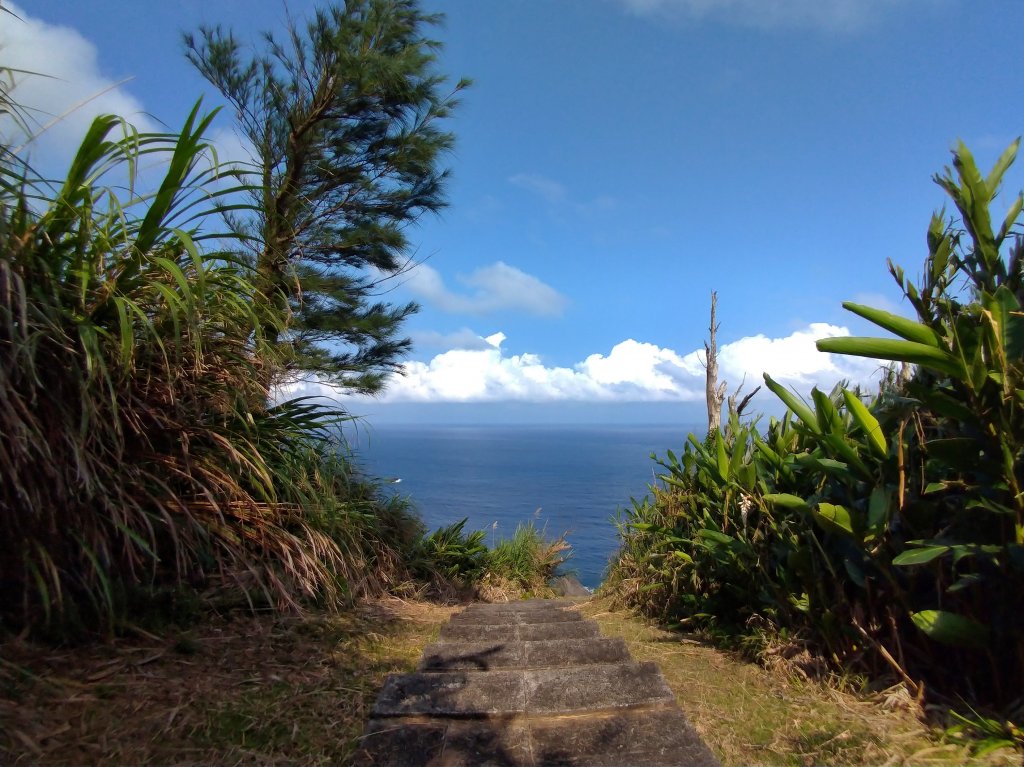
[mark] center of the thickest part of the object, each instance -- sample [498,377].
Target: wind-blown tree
[342,117]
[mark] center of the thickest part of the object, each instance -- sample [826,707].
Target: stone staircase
[527,684]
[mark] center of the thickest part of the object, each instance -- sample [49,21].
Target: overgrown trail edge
[527,684]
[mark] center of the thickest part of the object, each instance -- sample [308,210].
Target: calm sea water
[577,476]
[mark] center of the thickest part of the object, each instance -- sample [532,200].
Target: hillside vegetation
[150,307]
[883,534]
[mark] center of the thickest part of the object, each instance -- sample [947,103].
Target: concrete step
[506,617]
[483,656]
[515,632]
[524,685]
[647,738]
[503,692]
[659,737]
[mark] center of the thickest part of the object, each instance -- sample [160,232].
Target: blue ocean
[570,479]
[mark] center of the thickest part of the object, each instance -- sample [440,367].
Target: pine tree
[342,117]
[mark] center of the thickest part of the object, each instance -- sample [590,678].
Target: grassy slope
[263,690]
[273,690]
[749,715]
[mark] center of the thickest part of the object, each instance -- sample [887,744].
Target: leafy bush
[451,558]
[453,553]
[888,533]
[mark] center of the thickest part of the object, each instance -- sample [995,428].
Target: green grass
[750,715]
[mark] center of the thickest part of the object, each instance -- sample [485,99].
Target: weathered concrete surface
[518,632]
[528,684]
[482,656]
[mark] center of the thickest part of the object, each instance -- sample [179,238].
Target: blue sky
[618,160]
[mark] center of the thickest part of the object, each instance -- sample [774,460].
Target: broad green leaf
[951,628]
[863,417]
[723,457]
[793,403]
[965,582]
[975,191]
[773,457]
[893,349]
[878,509]
[919,556]
[746,475]
[995,176]
[829,466]
[905,328]
[1003,312]
[716,536]
[786,500]
[941,402]
[839,446]
[940,246]
[834,518]
[736,460]
[1011,217]
[829,420]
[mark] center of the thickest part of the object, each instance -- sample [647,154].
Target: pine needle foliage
[342,116]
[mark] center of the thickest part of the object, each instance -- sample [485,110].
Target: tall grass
[138,447]
[527,560]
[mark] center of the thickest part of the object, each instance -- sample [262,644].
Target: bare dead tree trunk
[714,391]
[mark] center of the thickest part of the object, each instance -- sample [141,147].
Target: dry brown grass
[253,690]
[749,715]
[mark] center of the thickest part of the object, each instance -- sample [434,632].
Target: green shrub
[527,560]
[139,451]
[453,554]
[888,533]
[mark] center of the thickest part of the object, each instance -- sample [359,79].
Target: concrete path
[527,684]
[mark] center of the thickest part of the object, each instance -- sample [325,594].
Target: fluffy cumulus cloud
[826,14]
[60,83]
[631,371]
[493,288]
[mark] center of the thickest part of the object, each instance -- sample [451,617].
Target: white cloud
[61,89]
[843,15]
[493,288]
[793,359]
[463,338]
[631,371]
[68,85]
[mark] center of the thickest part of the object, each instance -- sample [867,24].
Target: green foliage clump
[140,451]
[453,553]
[452,557]
[142,454]
[887,532]
[527,560]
